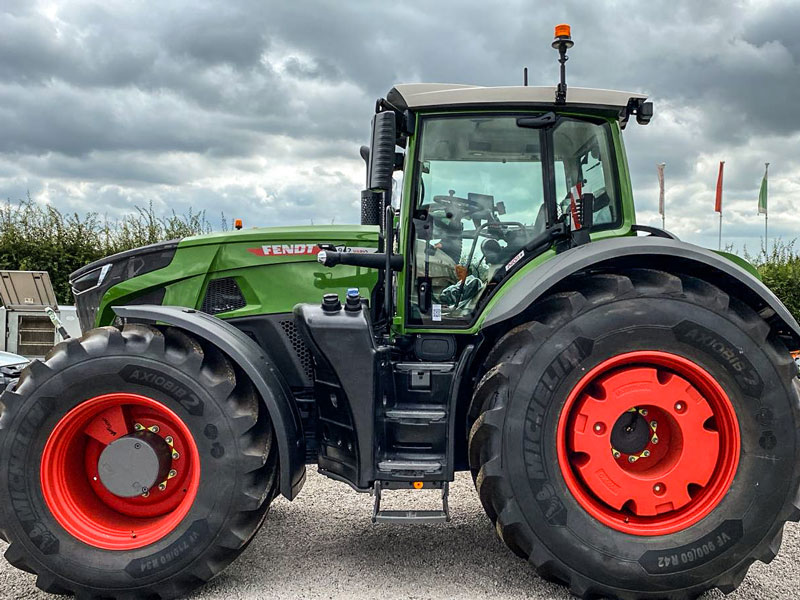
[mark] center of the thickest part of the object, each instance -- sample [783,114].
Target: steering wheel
[466,205]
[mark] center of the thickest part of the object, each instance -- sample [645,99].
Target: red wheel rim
[80,502]
[680,470]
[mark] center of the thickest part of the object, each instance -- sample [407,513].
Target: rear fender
[257,365]
[646,252]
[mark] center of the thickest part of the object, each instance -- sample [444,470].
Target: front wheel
[133,464]
[638,438]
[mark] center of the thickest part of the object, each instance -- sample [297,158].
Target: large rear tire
[684,503]
[168,395]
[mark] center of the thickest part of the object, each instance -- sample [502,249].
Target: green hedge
[780,270]
[39,237]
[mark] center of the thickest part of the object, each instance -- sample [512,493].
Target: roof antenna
[562,43]
[525,76]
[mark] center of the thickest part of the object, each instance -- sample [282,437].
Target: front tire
[623,517]
[153,390]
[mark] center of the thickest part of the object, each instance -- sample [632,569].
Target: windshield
[481,196]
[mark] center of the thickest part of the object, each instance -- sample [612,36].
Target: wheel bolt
[138,426]
[655,439]
[162,486]
[155,429]
[169,440]
[679,407]
[172,473]
[654,424]
[615,453]
[658,488]
[646,453]
[632,459]
[643,412]
[599,428]
[175,455]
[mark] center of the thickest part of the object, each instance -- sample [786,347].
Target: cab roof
[433,95]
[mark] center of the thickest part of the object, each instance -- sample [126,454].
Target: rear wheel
[638,438]
[133,463]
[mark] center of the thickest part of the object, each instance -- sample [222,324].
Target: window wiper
[539,121]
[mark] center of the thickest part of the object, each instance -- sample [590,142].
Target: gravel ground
[323,545]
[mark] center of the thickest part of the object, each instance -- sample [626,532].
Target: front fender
[646,252]
[257,365]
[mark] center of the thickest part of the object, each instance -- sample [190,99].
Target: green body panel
[738,260]
[271,282]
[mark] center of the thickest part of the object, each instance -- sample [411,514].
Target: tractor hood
[263,264]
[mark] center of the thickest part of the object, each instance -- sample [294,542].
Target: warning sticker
[436,312]
[515,260]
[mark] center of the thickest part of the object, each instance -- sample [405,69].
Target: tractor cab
[493,177]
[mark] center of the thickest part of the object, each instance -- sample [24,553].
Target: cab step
[409,467]
[410,517]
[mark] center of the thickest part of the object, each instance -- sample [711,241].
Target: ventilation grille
[222,295]
[300,348]
[36,335]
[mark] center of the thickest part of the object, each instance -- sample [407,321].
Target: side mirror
[381,153]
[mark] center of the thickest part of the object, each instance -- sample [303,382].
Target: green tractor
[626,402]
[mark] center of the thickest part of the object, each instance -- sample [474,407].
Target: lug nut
[654,424]
[632,459]
[138,426]
[658,488]
[643,412]
[169,440]
[679,407]
[162,486]
[655,439]
[599,428]
[615,453]
[646,453]
[175,455]
[155,429]
[172,473]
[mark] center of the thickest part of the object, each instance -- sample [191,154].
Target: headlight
[90,283]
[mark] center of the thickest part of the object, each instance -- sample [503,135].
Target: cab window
[480,198]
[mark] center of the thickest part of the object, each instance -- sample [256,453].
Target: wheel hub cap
[130,466]
[648,443]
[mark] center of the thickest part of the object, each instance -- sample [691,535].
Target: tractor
[626,403]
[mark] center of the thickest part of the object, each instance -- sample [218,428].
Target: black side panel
[650,252]
[258,365]
[278,335]
[345,387]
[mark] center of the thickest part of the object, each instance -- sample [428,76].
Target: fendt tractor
[626,403]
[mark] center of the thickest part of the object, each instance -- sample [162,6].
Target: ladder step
[414,466]
[416,415]
[408,517]
[400,517]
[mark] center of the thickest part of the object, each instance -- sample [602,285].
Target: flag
[660,168]
[718,204]
[762,195]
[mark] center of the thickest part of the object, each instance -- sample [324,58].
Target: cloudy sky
[257,109]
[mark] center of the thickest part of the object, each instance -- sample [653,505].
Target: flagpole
[766,215]
[718,201]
